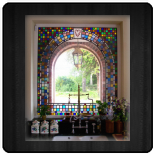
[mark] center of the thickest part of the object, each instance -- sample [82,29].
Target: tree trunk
[91,80]
[84,84]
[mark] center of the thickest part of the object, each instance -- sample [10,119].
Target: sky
[63,66]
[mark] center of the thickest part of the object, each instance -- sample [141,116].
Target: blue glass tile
[108,79]
[106,55]
[81,109]
[111,60]
[86,36]
[107,50]
[60,113]
[71,32]
[64,106]
[111,76]
[108,67]
[45,91]
[57,109]
[72,109]
[68,36]
[83,35]
[66,109]
[87,109]
[99,40]
[61,36]
[92,39]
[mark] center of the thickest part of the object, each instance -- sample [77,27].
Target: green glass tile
[115,72]
[61,28]
[43,27]
[43,34]
[115,52]
[97,28]
[58,113]
[46,30]
[115,86]
[115,68]
[55,30]
[52,32]
[108,33]
[115,61]
[38,34]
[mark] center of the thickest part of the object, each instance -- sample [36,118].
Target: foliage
[121,110]
[44,110]
[64,84]
[89,64]
[102,107]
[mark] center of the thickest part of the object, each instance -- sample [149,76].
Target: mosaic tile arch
[50,38]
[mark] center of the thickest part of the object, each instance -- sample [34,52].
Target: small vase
[44,117]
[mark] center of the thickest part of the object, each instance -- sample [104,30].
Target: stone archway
[65,46]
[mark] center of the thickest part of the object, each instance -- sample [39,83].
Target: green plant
[121,110]
[44,110]
[102,107]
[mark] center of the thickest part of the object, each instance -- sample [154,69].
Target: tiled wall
[50,38]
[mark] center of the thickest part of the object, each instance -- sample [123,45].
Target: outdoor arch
[85,45]
[96,45]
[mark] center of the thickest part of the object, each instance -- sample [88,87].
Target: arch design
[58,43]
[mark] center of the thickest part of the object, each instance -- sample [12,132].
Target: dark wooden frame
[141,89]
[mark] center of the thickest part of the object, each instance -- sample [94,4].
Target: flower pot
[44,117]
[109,124]
[119,127]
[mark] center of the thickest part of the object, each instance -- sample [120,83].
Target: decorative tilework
[50,38]
[72,109]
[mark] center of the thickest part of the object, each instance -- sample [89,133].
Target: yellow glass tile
[99,44]
[108,69]
[89,38]
[72,35]
[53,113]
[84,106]
[91,106]
[43,36]
[55,109]
[51,44]
[65,37]
[108,94]
[51,49]
[108,76]
[53,41]
[115,83]
[69,109]
[42,79]
[95,32]
[110,57]
[39,39]
[93,109]
[88,30]
[111,67]
[90,35]
[48,32]
[105,52]
[38,113]
[108,61]
[111,85]
[111,79]
[75,106]
[58,38]
[38,64]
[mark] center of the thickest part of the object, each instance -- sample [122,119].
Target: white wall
[123,43]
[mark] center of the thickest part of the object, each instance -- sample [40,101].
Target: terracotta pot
[109,126]
[119,127]
[44,117]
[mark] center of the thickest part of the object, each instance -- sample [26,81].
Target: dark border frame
[141,76]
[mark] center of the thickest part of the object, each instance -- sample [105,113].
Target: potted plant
[121,112]
[102,107]
[44,110]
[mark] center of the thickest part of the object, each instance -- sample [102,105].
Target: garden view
[67,78]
